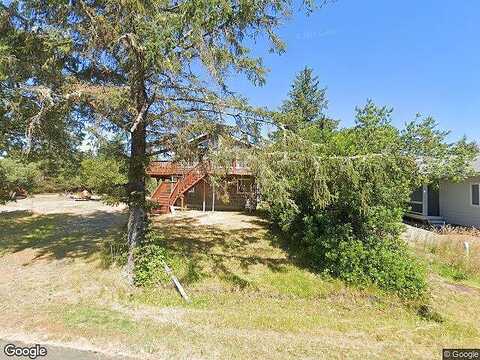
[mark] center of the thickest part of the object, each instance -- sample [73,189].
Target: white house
[452,203]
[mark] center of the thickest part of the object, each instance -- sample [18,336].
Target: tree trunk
[137,219]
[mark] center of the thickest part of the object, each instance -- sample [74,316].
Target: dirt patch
[461,288]
[227,220]
[58,204]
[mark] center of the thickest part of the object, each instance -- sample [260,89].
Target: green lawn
[249,299]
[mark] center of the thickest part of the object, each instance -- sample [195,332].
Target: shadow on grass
[58,236]
[213,251]
[297,254]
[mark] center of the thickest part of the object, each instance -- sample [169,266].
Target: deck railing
[188,180]
[168,168]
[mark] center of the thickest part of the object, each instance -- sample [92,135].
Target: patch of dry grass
[457,230]
[447,256]
[249,299]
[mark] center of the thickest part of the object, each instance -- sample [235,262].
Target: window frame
[471,194]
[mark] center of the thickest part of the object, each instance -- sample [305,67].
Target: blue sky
[418,56]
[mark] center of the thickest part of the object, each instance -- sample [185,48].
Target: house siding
[455,203]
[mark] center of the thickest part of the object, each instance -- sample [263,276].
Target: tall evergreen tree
[306,102]
[151,69]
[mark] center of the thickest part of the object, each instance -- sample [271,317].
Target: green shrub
[150,259]
[59,184]
[347,222]
[15,175]
[149,265]
[385,262]
[104,176]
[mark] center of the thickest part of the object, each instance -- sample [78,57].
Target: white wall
[456,205]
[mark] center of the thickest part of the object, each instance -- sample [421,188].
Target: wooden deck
[169,168]
[166,168]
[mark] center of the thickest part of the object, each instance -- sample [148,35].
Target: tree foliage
[104,176]
[305,99]
[31,65]
[342,198]
[15,175]
[152,70]
[304,109]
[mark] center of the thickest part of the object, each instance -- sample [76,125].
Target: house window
[416,201]
[475,191]
[244,186]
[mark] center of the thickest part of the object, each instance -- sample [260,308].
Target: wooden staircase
[166,196]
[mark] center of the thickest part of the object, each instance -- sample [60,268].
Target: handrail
[161,189]
[163,168]
[189,178]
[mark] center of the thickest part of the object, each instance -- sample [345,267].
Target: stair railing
[189,179]
[161,189]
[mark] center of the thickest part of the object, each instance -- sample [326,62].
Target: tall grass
[448,255]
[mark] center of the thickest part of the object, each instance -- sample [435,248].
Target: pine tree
[153,70]
[306,102]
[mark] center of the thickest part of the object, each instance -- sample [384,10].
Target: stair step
[436,222]
[182,186]
[162,197]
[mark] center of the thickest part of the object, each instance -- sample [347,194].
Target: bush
[385,262]
[150,259]
[115,250]
[59,184]
[15,175]
[345,216]
[106,177]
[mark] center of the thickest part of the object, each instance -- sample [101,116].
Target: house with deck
[192,185]
[449,202]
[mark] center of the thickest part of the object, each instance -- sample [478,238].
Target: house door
[433,201]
